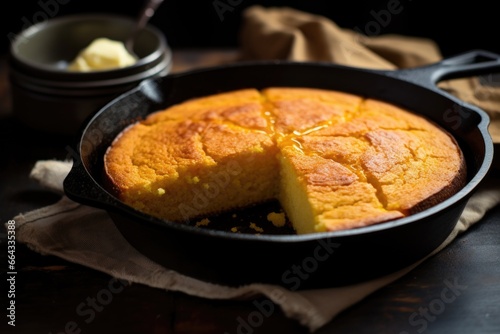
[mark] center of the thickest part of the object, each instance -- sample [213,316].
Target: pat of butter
[102,54]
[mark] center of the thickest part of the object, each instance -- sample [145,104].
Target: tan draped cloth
[290,34]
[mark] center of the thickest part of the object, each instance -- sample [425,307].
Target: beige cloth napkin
[287,33]
[87,236]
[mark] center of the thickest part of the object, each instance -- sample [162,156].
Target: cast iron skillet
[292,261]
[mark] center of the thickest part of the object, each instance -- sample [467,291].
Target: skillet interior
[293,261]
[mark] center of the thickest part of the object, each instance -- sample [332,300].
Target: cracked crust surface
[358,161]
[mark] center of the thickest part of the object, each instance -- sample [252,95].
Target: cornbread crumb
[278,219]
[203,222]
[256,228]
[193,180]
[160,191]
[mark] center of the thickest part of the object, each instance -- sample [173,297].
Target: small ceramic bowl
[46,96]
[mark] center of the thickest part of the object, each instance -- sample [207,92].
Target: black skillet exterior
[293,261]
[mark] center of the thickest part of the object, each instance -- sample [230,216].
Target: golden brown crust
[361,161]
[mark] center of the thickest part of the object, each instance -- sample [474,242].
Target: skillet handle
[472,63]
[80,187]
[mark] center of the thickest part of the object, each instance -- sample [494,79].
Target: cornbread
[334,160]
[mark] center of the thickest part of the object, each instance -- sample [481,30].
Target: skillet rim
[140,217]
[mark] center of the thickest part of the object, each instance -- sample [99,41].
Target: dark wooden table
[48,289]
